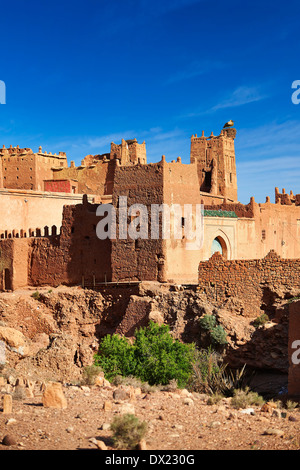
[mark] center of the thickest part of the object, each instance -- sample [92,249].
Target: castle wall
[181,187]
[294,349]
[97,178]
[23,169]
[247,280]
[61,186]
[13,264]
[76,256]
[24,210]
[142,258]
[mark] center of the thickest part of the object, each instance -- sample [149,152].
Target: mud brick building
[48,217]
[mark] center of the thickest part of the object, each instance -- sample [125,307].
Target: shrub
[218,336]
[160,358]
[208,322]
[154,357]
[291,405]
[214,399]
[89,374]
[115,356]
[215,333]
[207,372]
[128,431]
[210,375]
[245,398]
[36,295]
[261,320]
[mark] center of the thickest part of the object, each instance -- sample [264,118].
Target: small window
[263,234]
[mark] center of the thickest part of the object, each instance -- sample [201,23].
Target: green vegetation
[215,333]
[244,398]
[261,320]
[36,295]
[89,374]
[154,357]
[210,375]
[128,431]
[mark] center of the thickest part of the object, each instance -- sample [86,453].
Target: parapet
[286,199]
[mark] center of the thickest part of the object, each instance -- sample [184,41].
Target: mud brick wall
[294,355]
[140,259]
[248,280]
[75,255]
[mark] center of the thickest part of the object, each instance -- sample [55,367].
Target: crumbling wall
[250,281]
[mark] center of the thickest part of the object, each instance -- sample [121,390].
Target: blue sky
[80,74]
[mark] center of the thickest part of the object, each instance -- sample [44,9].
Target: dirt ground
[176,421]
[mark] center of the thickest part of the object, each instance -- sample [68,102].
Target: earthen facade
[237,231]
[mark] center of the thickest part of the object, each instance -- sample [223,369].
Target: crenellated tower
[215,158]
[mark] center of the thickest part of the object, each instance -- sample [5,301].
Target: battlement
[129,152]
[286,199]
[23,152]
[215,157]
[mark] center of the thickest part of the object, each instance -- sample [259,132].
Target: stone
[127,408]
[107,406]
[15,340]
[273,432]
[105,427]
[248,411]
[120,395]
[276,414]
[101,445]
[292,418]
[188,401]
[11,421]
[142,445]
[9,440]
[156,317]
[7,404]
[53,396]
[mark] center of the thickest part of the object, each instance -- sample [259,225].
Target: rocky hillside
[54,333]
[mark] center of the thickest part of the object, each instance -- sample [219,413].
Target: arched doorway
[219,244]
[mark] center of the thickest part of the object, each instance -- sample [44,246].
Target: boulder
[53,396]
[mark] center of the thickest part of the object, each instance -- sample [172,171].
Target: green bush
[218,336]
[208,322]
[89,374]
[261,320]
[128,431]
[210,375]
[215,333]
[245,398]
[154,357]
[36,295]
[115,357]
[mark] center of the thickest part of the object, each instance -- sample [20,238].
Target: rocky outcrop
[57,335]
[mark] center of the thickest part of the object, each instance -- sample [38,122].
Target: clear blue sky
[80,74]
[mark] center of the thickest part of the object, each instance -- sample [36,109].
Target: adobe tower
[215,158]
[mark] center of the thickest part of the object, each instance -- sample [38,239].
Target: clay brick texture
[248,280]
